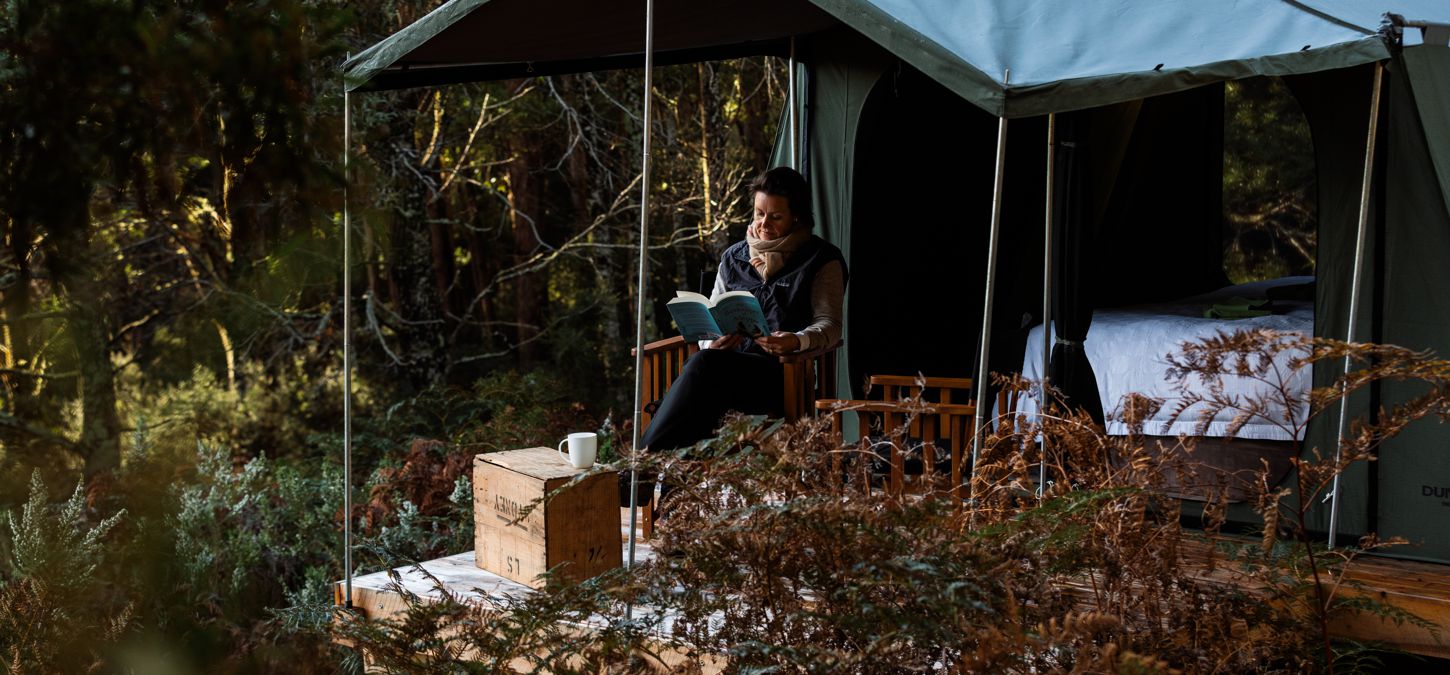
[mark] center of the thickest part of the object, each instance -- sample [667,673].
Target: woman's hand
[726,342]
[779,342]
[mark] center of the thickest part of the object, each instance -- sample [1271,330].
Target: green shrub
[245,537]
[269,412]
[53,613]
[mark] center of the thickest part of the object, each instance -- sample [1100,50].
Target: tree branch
[12,423]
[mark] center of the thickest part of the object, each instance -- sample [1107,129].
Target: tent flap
[1413,467]
[1428,71]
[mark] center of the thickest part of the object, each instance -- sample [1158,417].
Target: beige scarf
[767,257]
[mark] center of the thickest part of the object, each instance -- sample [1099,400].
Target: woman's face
[773,218]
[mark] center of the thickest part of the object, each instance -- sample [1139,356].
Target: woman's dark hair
[783,181]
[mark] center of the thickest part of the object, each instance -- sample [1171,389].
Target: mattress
[1128,349]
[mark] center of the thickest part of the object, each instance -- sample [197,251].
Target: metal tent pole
[1361,241]
[649,62]
[982,384]
[346,350]
[1046,300]
[790,101]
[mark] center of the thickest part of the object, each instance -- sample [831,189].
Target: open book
[733,312]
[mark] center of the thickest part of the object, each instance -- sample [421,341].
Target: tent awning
[1061,54]
[475,40]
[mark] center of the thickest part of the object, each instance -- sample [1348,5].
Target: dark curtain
[910,243]
[1155,181]
[1074,236]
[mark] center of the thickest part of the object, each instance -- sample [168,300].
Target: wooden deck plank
[1420,588]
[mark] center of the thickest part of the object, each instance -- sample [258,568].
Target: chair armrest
[801,357]
[874,406]
[667,344]
[679,342]
[928,382]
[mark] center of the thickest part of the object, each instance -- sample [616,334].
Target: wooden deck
[1423,589]
[375,596]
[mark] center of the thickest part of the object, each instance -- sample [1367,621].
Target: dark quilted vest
[786,297]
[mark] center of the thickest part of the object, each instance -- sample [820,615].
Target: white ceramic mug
[583,446]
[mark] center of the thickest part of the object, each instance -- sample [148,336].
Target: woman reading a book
[800,282]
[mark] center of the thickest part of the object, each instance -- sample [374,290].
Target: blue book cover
[698,318]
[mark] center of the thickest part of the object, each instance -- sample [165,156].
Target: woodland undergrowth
[214,547]
[781,553]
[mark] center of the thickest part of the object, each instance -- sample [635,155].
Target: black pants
[713,383]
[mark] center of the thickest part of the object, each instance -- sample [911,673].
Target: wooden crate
[576,529]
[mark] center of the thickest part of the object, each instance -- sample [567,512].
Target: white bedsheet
[1127,347]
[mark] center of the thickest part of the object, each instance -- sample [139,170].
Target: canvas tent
[900,101]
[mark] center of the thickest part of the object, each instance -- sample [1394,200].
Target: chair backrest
[933,389]
[663,361]
[923,389]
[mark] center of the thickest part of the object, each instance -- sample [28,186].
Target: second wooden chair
[912,427]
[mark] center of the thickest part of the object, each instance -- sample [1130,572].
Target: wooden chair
[927,415]
[909,429]
[951,425]
[808,376]
[938,415]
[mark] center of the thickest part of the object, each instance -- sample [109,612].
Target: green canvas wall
[1412,484]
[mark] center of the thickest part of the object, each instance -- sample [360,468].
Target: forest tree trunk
[422,340]
[586,196]
[16,305]
[525,199]
[73,262]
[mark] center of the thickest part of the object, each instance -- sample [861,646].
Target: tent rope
[1046,299]
[982,384]
[1361,241]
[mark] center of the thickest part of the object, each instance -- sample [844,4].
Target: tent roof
[473,40]
[1010,57]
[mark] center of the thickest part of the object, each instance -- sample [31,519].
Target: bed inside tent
[1151,266]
